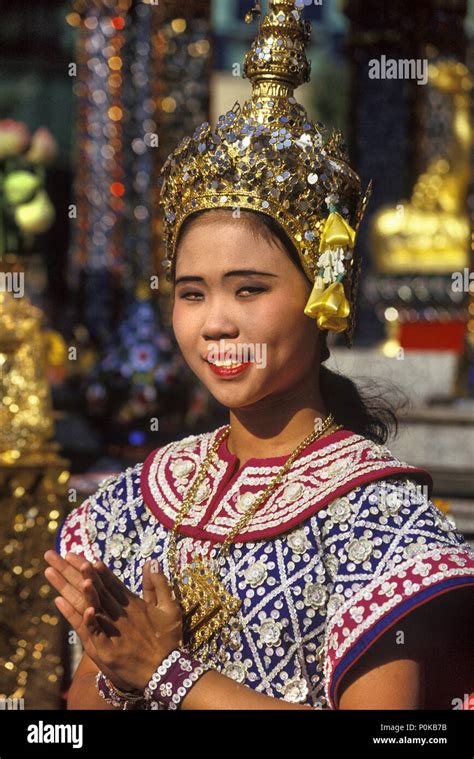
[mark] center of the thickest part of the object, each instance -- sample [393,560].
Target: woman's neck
[275,425]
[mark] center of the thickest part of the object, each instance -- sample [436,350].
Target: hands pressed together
[126,636]
[129,637]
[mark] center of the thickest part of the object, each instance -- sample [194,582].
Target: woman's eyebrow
[236,273]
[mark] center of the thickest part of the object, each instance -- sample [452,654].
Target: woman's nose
[219,323]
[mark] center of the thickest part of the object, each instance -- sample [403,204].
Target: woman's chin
[233,394]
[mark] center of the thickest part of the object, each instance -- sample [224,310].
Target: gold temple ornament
[33,488]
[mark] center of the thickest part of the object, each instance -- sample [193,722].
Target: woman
[287,560]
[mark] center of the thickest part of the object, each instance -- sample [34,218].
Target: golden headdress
[268,156]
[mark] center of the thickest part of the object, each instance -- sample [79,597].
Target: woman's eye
[185,296]
[252,289]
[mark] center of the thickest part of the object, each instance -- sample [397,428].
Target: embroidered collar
[327,469]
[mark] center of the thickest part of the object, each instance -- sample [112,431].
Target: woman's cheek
[182,325]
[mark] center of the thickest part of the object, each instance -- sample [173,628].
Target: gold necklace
[206,604]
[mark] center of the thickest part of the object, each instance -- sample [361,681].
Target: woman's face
[220,304]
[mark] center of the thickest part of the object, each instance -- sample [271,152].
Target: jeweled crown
[268,156]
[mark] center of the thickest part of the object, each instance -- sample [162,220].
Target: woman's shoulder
[122,487]
[117,506]
[394,506]
[110,506]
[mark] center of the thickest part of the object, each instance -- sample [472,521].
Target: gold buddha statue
[430,232]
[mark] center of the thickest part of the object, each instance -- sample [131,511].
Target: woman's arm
[397,684]
[391,674]
[83,693]
[216,691]
[219,692]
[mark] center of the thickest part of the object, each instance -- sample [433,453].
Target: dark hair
[369,413]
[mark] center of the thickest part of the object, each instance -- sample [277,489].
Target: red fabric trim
[71,534]
[204,534]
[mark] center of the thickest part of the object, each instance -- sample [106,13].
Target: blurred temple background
[94,94]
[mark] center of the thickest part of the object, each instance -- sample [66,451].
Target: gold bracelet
[128,694]
[114,695]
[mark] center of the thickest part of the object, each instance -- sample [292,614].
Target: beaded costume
[348,541]
[346,545]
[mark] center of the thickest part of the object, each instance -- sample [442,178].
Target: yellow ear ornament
[327,303]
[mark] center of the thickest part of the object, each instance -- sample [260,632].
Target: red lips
[229,371]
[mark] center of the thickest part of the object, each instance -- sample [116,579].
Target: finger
[77,623]
[84,568]
[91,622]
[90,594]
[77,561]
[117,588]
[85,632]
[69,568]
[87,572]
[65,567]
[81,564]
[100,623]
[69,613]
[69,592]
[107,600]
[149,593]
[104,599]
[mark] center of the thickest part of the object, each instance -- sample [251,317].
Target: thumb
[163,590]
[149,593]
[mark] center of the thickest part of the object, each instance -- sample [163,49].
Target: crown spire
[276,64]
